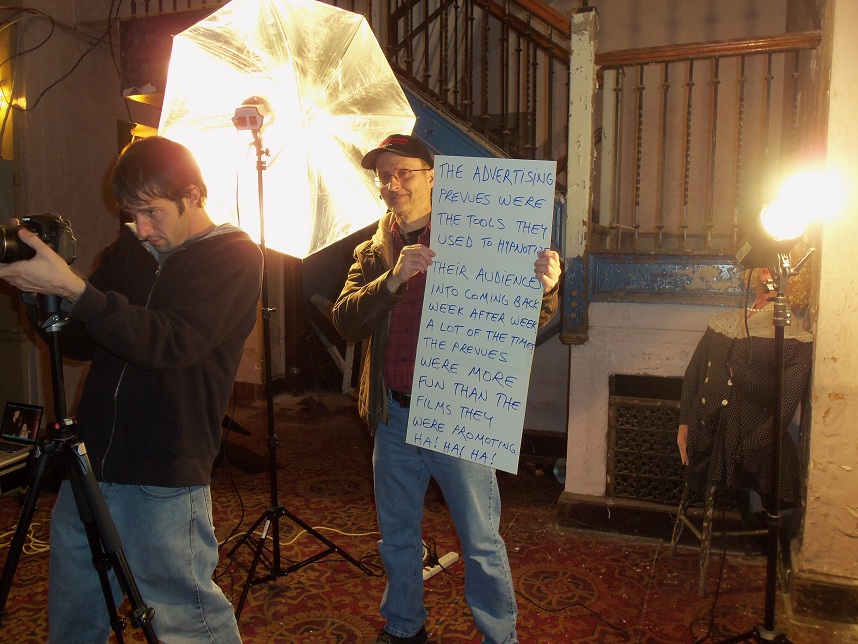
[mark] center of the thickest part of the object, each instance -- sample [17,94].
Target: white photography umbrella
[332,96]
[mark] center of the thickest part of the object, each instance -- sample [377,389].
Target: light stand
[245,119]
[781,273]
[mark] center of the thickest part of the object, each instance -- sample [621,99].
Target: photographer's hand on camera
[47,273]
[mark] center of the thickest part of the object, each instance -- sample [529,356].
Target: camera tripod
[64,446]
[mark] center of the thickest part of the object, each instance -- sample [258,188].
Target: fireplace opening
[643,459]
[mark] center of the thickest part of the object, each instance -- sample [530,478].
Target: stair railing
[693,139]
[499,67]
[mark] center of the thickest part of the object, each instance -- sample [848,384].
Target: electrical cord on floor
[32,545]
[430,558]
[302,532]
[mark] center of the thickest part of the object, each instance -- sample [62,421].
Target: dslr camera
[52,229]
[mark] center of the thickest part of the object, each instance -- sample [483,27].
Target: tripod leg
[94,513]
[42,467]
[253,565]
[247,536]
[100,561]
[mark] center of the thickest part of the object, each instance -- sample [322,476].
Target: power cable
[20,14]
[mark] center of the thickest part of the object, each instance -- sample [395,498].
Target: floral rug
[323,585]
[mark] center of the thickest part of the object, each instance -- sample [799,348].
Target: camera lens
[12,249]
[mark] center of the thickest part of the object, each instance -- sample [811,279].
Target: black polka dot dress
[728,399]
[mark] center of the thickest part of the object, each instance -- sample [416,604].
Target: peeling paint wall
[830,537]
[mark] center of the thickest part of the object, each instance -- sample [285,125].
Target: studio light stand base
[269,521]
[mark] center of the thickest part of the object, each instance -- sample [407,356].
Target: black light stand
[271,517]
[104,542]
[781,274]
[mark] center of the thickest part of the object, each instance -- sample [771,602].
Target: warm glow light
[820,192]
[810,196]
[783,222]
[20,101]
[334,98]
[139,130]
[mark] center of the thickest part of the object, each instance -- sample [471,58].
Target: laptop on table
[19,430]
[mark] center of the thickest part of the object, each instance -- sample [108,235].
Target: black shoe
[420,637]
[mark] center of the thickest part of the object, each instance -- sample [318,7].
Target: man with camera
[163,320]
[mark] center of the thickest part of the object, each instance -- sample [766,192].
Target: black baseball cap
[404,145]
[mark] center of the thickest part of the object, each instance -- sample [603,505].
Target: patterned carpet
[572,586]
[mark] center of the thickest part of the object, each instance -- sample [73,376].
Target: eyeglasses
[383,180]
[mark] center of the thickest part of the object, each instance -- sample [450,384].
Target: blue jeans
[168,539]
[402,474]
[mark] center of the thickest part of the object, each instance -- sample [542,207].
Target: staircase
[499,68]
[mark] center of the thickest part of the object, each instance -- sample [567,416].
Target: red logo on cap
[394,140]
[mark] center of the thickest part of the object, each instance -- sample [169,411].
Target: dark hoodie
[165,341]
